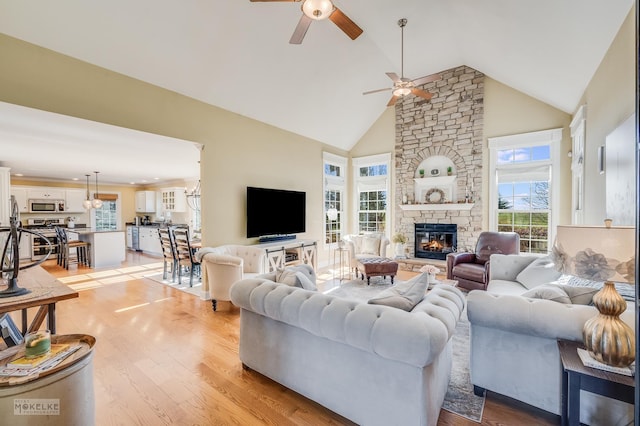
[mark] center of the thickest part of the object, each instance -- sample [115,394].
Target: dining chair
[82,248]
[170,258]
[185,254]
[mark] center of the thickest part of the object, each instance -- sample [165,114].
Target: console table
[289,252]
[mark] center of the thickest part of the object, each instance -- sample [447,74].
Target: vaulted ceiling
[236,54]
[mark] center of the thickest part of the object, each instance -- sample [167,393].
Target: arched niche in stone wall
[436,165]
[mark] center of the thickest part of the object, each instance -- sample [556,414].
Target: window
[107,216]
[523,192]
[334,193]
[371,181]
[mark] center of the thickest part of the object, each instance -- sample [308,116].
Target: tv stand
[271,238]
[289,252]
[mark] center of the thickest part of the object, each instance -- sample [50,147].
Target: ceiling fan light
[317,9]
[401,91]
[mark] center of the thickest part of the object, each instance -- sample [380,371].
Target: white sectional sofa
[513,342]
[373,364]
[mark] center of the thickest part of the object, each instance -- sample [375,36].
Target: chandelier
[193,197]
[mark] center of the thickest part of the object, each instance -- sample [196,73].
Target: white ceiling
[235,54]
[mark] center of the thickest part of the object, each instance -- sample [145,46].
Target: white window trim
[92,212]
[578,129]
[372,182]
[551,137]
[334,183]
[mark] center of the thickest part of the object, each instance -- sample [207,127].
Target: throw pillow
[540,271]
[305,281]
[580,295]
[548,292]
[287,276]
[404,295]
[370,245]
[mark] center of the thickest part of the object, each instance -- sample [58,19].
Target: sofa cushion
[469,271]
[297,276]
[540,271]
[548,292]
[403,295]
[305,281]
[579,295]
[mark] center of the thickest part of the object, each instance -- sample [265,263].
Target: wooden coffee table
[376,266]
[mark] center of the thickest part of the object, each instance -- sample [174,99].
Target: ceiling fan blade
[301,29]
[393,100]
[426,79]
[345,24]
[393,76]
[422,93]
[376,91]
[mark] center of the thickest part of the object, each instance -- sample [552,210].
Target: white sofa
[373,364]
[513,342]
[224,265]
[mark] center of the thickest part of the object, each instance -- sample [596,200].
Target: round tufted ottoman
[376,266]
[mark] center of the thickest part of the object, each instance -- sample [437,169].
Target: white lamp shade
[332,214]
[87,204]
[96,203]
[317,9]
[596,253]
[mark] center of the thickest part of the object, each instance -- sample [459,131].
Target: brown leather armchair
[471,270]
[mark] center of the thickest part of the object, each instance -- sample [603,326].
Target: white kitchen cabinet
[149,240]
[145,201]
[74,199]
[24,249]
[174,200]
[45,194]
[20,195]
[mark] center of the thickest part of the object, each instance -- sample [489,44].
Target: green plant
[399,238]
[421,171]
[449,169]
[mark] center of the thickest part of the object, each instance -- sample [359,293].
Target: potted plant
[449,171]
[400,240]
[421,171]
[431,271]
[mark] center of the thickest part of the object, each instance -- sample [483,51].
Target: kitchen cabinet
[20,195]
[149,240]
[174,200]
[74,199]
[145,201]
[45,194]
[24,249]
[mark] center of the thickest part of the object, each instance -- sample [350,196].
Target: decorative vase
[607,338]
[399,250]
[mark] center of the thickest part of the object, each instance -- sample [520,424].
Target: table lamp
[602,253]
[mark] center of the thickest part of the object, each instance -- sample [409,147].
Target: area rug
[460,398]
[196,290]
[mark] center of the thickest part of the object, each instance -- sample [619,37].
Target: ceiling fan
[403,86]
[318,10]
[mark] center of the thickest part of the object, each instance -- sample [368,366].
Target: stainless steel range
[39,246]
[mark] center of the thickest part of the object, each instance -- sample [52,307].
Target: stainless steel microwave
[46,206]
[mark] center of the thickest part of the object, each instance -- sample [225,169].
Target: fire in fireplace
[435,240]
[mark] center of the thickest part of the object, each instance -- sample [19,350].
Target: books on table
[589,361]
[24,366]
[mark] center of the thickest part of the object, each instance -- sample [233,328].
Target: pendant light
[96,203]
[87,202]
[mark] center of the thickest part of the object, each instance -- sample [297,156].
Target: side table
[343,254]
[576,377]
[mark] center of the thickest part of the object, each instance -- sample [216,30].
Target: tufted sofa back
[414,338]
[253,258]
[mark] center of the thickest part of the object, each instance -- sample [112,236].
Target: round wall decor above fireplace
[435,196]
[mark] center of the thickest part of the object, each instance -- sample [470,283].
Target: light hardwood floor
[164,357]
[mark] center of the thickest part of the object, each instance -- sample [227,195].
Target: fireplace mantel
[448,206]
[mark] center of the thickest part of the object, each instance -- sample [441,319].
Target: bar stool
[83,250]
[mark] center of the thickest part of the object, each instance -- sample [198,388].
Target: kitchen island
[107,247]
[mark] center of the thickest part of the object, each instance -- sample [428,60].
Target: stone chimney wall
[449,125]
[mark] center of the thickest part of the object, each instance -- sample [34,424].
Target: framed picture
[10,333]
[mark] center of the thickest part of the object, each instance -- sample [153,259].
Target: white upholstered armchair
[367,245]
[224,265]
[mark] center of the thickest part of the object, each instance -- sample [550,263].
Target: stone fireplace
[443,139]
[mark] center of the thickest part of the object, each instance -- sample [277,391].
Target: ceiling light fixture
[193,197]
[96,203]
[87,202]
[317,9]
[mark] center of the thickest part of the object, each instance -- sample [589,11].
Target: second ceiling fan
[318,10]
[403,86]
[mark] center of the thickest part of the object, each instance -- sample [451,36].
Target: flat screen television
[275,212]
